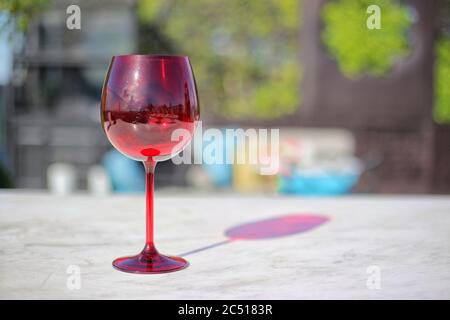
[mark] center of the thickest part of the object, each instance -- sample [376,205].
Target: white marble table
[403,239]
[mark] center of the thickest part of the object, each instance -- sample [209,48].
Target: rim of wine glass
[152,56]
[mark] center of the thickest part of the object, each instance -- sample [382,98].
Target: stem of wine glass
[149,185]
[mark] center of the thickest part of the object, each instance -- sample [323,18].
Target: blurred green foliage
[244,52]
[442,81]
[21,12]
[358,49]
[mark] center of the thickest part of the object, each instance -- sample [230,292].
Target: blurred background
[359,110]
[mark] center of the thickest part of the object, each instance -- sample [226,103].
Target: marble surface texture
[401,243]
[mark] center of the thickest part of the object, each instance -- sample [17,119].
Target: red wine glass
[145,99]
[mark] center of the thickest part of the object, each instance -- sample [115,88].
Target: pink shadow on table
[268,229]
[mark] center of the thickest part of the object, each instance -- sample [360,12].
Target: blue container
[323,184]
[127,176]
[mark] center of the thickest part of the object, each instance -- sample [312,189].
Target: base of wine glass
[150,261]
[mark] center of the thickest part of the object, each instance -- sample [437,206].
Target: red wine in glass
[145,99]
